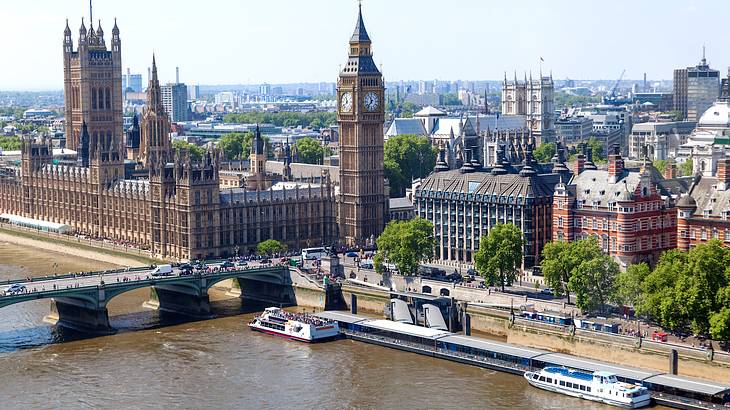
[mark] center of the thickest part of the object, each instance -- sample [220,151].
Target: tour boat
[599,386]
[296,326]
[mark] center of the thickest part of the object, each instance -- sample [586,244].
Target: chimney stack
[177,75]
[723,174]
[615,164]
[670,171]
[580,161]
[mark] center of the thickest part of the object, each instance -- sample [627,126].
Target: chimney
[580,161]
[615,164]
[670,171]
[723,174]
[177,75]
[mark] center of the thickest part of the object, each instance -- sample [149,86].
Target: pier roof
[490,346]
[689,384]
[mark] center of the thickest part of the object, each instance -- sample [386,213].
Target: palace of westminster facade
[136,188]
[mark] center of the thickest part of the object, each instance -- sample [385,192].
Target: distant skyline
[288,41]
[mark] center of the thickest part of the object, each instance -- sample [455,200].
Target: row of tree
[11,143]
[284,119]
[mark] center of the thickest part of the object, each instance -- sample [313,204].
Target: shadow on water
[38,336]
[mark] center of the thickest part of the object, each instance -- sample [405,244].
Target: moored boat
[296,326]
[599,386]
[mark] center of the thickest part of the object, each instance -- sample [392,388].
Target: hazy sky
[280,41]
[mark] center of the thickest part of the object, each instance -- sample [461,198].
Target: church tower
[154,141]
[363,201]
[92,85]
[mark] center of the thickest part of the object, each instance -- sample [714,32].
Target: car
[186,272]
[547,291]
[14,288]
[185,266]
[241,263]
[351,254]
[162,270]
[227,264]
[265,261]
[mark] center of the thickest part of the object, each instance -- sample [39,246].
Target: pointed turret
[441,164]
[67,30]
[115,30]
[360,35]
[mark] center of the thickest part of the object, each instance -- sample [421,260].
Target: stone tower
[154,141]
[92,85]
[360,112]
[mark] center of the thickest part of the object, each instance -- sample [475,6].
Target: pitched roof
[360,35]
[709,198]
[485,183]
[429,111]
[401,126]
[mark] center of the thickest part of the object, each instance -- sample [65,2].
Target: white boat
[599,386]
[296,326]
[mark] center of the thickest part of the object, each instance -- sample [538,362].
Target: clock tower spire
[363,200]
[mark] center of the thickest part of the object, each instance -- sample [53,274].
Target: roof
[33,222]
[401,126]
[300,170]
[405,328]
[341,316]
[499,122]
[688,384]
[443,127]
[400,203]
[709,198]
[429,112]
[488,345]
[360,35]
[486,183]
[717,116]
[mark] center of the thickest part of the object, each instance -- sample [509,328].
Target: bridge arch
[444,292]
[426,289]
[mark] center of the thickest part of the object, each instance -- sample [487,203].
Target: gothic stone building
[464,204]
[631,214]
[534,99]
[171,203]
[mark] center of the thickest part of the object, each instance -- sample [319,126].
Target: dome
[717,116]
[686,201]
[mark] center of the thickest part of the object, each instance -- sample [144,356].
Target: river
[161,361]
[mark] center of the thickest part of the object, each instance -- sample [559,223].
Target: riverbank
[71,247]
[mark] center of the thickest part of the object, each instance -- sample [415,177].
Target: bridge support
[181,300]
[79,316]
[267,292]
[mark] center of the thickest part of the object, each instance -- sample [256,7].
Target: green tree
[196,152]
[676,115]
[599,154]
[311,151]
[284,119]
[560,260]
[500,254]
[235,144]
[593,282]
[406,244]
[395,177]
[450,99]
[270,247]
[686,168]
[629,283]
[413,155]
[10,143]
[660,165]
[545,152]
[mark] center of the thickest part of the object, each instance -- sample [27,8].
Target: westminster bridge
[79,301]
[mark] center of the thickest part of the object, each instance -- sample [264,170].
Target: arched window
[108,98]
[93,98]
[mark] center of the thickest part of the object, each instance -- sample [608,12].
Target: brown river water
[161,361]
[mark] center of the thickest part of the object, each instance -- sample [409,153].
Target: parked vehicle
[547,291]
[265,261]
[14,288]
[351,254]
[227,264]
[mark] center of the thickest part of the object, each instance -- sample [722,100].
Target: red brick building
[630,213]
[704,213]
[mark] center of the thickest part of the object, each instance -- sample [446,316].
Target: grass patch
[144,260]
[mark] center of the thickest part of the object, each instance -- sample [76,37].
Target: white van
[162,270]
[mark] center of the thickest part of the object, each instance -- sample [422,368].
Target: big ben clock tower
[363,202]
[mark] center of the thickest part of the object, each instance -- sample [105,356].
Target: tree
[413,155]
[450,99]
[660,165]
[270,247]
[597,148]
[235,144]
[629,282]
[545,152]
[311,151]
[500,254]
[593,282]
[406,244]
[196,152]
[686,168]
[395,177]
[720,324]
[560,260]
[10,143]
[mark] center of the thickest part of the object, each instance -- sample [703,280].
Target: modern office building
[573,130]
[695,89]
[175,100]
[658,140]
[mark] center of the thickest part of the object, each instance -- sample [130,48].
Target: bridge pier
[79,316]
[267,292]
[182,300]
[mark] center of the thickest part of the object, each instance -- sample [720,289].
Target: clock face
[371,101]
[346,102]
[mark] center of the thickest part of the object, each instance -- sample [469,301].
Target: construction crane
[610,97]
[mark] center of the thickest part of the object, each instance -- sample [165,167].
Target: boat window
[535,376]
[562,383]
[549,380]
[582,387]
[542,378]
[588,389]
[569,385]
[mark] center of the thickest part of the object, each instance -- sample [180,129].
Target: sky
[287,41]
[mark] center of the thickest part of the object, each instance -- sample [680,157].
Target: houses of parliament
[134,187]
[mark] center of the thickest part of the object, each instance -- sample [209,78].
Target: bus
[313,253]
